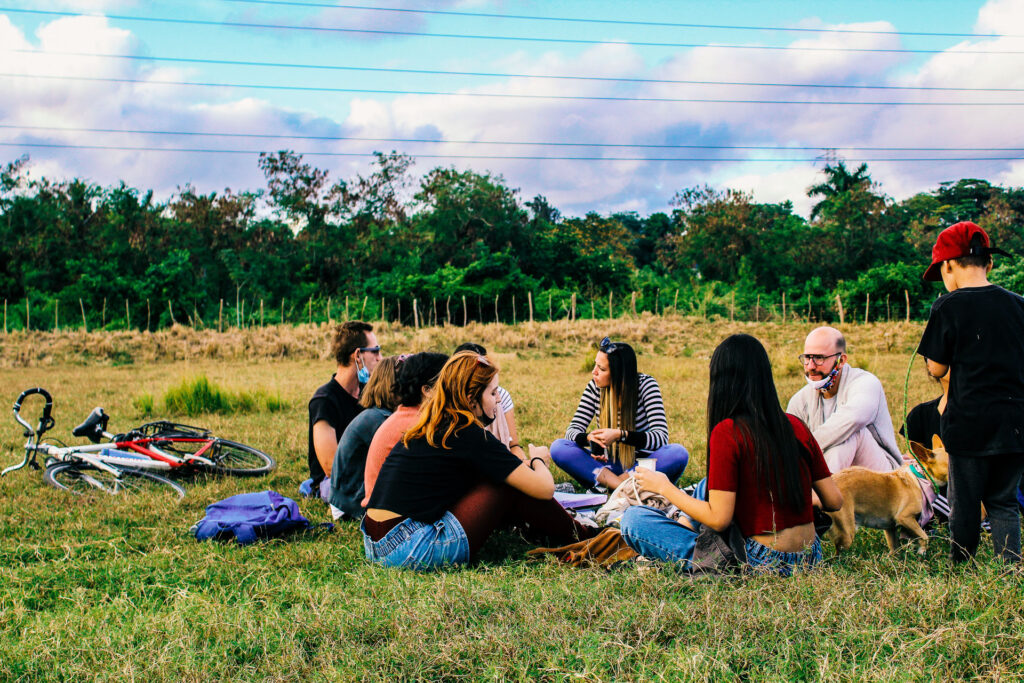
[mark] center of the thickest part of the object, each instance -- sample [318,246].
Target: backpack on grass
[247,517]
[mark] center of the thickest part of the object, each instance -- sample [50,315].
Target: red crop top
[732,468]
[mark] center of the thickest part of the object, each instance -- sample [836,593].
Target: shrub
[199,395]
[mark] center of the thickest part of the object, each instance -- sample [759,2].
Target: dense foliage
[465,245]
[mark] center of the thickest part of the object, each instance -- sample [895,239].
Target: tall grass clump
[198,395]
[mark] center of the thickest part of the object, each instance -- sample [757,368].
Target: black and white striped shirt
[650,413]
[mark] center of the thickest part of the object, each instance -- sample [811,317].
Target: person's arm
[325,443]
[716,512]
[936,370]
[585,411]
[864,397]
[533,477]
[829,495]
[514,446]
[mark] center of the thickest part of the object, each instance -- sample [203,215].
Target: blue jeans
[420,546]
[652,534]
[765,559]
[583,467]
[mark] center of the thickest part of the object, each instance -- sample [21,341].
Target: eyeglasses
[608,346]
[369,349]
[816,358]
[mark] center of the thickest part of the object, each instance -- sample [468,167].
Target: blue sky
[55,37]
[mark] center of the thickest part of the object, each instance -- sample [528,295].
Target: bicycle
[128,462]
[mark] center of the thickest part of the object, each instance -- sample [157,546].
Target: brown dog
[886,500]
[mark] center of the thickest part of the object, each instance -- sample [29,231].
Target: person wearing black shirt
[923,423]
[976,331]
[332,407]
[449,484]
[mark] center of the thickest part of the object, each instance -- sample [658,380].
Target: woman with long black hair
[630,424]
[762,466]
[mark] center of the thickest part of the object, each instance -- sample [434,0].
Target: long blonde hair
[379,392]
[619,400]
[460,384]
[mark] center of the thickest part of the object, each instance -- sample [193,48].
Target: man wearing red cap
[977,332]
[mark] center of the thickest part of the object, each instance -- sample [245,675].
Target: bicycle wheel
[238,460]
[80,479]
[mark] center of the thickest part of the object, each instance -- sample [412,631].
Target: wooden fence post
[149,313]
[513,310]
[867,306]
[310,310]
[529,300]
[592,313]
[329,310]
[808,307]
[415,314]
[127,316]
[282,310]
[383,310]
[261,314]
[465,311]
[572,310]
[220,315]
[28,316]
[839,305]
[783,307]
[85,326]
[675,303]
[888,311]
[496,308]
[632,302]
[757,309]
[171,310]
[550,316]
[610,304]
[56,315]
[906,295]
[448,309]
[433,309]
[657,300]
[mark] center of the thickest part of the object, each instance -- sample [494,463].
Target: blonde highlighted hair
[460,384]
[379,392]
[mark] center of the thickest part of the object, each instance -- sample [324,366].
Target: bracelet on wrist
[542,462]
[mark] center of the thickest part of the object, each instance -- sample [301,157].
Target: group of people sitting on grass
[423,448]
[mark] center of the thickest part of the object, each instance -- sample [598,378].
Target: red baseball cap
[955,242]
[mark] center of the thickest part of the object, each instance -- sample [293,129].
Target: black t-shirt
[979,333]
[335,405]
[923,422]
[423,482]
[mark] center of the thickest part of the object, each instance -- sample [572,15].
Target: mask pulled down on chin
[826,382]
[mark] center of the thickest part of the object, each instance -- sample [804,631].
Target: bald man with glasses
[844,407]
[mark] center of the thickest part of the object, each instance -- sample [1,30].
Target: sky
[649,97]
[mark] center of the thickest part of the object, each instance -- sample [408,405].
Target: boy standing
[977,330]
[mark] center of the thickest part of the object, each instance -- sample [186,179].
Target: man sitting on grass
[333,405]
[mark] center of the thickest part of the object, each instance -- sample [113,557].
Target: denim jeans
[652,534]
[418,545]
[765,559]
[583,467]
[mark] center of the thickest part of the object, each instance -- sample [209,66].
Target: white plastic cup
[647,463]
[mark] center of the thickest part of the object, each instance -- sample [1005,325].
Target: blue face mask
[363,375]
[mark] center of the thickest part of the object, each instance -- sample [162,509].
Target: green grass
[199,396]
[117,589]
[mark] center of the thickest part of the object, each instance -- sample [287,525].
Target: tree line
[462,245]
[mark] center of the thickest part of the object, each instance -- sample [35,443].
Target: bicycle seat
[94,426]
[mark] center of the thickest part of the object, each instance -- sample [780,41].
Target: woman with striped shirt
[630,419]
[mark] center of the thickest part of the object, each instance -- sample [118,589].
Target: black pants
[991,480]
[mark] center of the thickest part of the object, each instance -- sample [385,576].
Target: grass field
[102,589]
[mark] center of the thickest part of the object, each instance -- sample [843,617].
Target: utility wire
[469,36]
[498,74]
[193,150]
[588,98]
[621,22]
[537,143]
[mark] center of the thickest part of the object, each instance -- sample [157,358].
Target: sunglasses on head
[608,346]
[482,360]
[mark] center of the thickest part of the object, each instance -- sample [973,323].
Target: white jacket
[860,402]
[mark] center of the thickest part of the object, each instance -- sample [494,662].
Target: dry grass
[116,590]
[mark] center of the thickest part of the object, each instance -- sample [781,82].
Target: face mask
[485,419]
[363,375]
[827,381]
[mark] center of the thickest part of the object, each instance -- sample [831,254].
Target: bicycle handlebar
[45,422]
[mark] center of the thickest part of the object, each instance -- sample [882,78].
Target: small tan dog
[887,500]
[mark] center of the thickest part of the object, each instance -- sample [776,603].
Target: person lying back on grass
[762,466]
[449,484]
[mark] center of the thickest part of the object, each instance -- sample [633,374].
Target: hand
[541,452]
[605,437]
[652,480]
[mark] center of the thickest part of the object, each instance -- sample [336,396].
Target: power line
[498,74]
[623,22]
[193,150]
[588,98]
[538,143]
[468,36]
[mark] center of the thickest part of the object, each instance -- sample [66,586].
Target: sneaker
[306,488]
[598,488]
